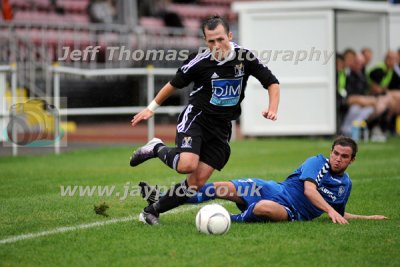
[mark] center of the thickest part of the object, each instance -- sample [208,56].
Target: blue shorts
[252,190]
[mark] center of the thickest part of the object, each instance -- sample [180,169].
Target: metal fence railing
[56,71]
[4,113]
[149,72]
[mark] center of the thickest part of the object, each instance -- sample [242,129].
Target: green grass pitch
[31,203]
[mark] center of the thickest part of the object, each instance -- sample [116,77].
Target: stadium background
[39,31]
[37,34]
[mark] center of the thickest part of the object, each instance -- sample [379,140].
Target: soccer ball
[213,219]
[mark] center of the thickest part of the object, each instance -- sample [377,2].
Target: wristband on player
[153,106]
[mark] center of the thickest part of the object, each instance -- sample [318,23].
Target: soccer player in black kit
[220,75]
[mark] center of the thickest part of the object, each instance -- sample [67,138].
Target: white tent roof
[358,6]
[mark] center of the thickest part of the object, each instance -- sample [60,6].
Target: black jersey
[219,85]
[378,74]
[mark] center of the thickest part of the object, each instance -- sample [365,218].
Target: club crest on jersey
[239,70]
[341,191]
[226,92]
[186,142]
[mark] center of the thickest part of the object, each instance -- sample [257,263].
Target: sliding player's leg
[271,210]
[221,190]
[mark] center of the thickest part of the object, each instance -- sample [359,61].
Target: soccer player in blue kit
[319,185]
[219,75]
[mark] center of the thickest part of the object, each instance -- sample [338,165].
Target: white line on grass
[59,230]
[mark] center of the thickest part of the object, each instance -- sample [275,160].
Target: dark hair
[349,51]
[212,22]
[346,141]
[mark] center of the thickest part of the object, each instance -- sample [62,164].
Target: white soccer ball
[213,219]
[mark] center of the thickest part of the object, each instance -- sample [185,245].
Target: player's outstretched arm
[350,216]
[148,112]
[274,94]
[311,192]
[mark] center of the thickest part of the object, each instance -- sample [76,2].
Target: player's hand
[270,115]
[336,217]
[143,115]
[377,217]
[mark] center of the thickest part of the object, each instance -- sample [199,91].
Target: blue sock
[247,216]
[207,192]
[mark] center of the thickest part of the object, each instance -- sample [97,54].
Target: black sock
[168,155]
[151,209]
[175,197]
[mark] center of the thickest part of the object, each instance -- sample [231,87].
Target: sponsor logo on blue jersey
[326,192]
[226,92]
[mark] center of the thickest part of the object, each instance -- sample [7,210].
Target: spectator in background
[151,8]
[349,56]
[101,11]
[171,19]
[340,76]
[58,9]
[159,9]
[356,81]
[341,93]
[385,81]
[356,85]
[383,78]
[397,66]
[362,106]
[368,54]
[398,55]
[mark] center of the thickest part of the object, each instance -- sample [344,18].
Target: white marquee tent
[298,41]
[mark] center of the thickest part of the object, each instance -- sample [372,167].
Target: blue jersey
[333,188]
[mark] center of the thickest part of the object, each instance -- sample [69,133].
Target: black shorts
[202,135]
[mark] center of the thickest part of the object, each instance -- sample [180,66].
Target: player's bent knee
[271,210]
[263,208]
[186,167]
[188,163]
